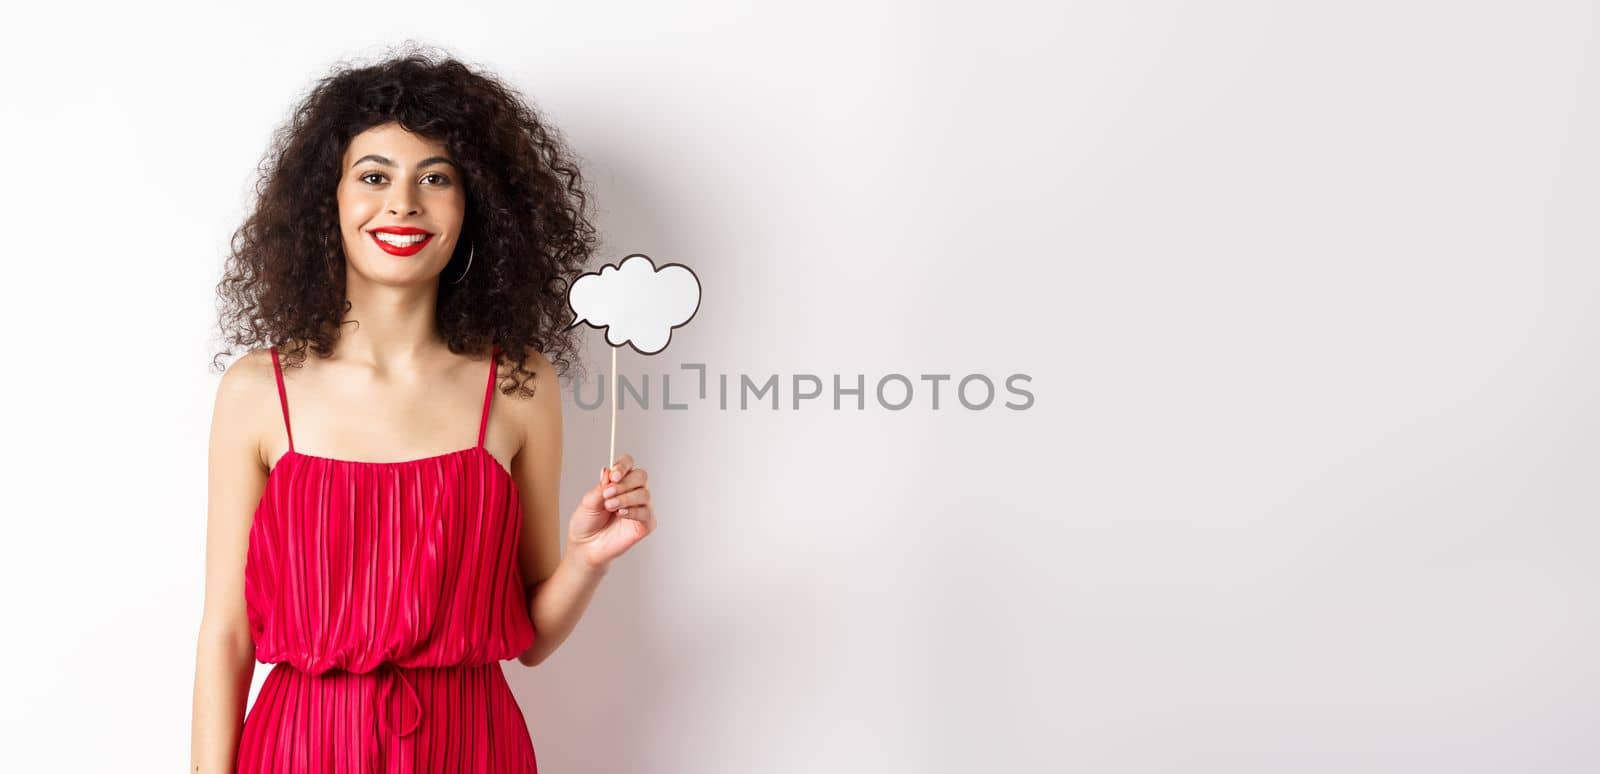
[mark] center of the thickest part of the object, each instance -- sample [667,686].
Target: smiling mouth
[400,244]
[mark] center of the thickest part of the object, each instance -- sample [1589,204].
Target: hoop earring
[470,250]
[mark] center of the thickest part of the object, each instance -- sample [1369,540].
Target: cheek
[451,208]
[355,210]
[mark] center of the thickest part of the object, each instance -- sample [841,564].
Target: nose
[402,201]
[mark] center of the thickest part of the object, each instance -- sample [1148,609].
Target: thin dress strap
[488,394]
[283,398]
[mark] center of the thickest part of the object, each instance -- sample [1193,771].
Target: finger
[640,496]
[621,467]
[647,519]
[637,497]
[633,480]
[643,514]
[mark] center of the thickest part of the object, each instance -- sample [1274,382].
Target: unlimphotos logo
[892,391]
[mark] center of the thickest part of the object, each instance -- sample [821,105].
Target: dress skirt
[391,720]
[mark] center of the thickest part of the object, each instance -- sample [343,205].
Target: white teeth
[398,240]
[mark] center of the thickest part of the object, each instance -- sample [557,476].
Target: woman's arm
[224,655]
[557,604]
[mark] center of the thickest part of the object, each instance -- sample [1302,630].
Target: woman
[416,229]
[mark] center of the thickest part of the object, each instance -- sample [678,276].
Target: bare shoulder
[246,378]
[537,416]
[242,394]
[543,383]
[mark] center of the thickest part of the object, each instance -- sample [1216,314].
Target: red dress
[385,594]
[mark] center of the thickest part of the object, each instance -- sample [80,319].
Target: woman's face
[401,205]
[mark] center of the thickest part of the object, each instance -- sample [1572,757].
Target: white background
[1306,292]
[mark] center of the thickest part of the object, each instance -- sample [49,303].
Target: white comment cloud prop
[636,303]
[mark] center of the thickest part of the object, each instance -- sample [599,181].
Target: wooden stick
[613,457]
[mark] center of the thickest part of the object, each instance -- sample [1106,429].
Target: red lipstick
[399,250]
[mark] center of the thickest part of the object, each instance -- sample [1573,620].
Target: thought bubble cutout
[636,303]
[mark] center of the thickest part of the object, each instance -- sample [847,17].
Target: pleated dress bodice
[352,565]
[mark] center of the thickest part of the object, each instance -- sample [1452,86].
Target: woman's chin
[390,270]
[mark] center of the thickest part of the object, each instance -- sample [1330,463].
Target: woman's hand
[613,515]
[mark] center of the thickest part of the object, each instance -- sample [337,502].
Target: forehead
[394,142]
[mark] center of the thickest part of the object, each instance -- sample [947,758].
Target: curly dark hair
[526,216]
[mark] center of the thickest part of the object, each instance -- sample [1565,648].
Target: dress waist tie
[387,673]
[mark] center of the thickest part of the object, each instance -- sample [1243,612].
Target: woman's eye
[442,179]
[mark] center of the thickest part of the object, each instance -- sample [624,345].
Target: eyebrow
[429,161]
